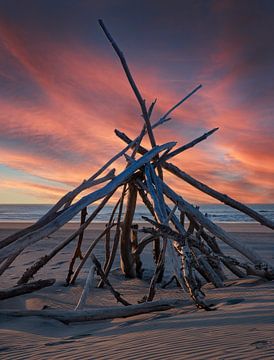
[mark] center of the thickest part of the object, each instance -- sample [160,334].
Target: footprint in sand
[4,348]
[80,336]
[234,301]
[261,344]
[61,342]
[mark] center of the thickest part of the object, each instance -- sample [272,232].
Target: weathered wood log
[204,188]
[90,283]
[25,289]
[71,316]
[69,213]
[127,263]
[77,252]
[155,190]
[46,258]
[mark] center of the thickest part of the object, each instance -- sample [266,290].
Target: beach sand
[241,327]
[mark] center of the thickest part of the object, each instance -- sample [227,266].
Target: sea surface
[217,213]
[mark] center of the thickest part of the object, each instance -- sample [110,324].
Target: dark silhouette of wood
[126,257]
[25,289]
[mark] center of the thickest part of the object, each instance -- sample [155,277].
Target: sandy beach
[241,327]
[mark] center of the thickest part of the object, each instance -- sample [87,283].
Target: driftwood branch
[70,316]
[126,258]
[188,145]
[133,85]
[77,251]
[25,289]
[87,288]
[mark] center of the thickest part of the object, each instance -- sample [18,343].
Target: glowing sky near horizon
[63,91]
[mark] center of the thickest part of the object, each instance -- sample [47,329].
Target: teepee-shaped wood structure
[192,248]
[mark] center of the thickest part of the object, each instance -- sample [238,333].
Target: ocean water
[216,212]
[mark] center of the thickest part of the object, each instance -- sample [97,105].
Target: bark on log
[25,289]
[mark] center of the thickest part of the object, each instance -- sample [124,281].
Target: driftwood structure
[193,247]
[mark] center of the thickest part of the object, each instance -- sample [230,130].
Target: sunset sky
[63,91]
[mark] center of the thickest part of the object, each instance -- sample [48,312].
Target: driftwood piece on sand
[25,289]
[71,316]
